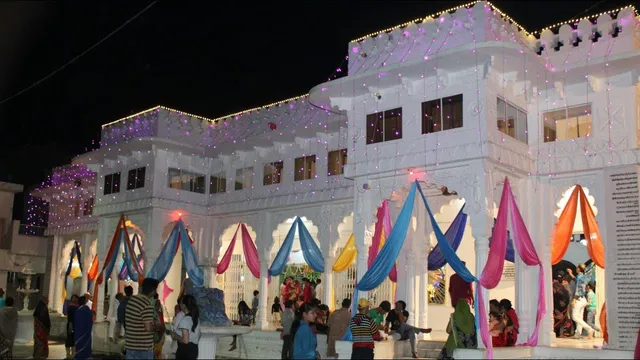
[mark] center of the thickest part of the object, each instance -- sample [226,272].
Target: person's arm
[374,331]
[570,273]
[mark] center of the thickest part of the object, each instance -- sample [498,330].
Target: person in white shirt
[187,334]
[89,302]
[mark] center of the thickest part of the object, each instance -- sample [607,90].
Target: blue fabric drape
[127,264]
[312,254]
[511,252]
[131,271]
[280,261]
[109,269]
[161,268]
[386,258]
[454,238]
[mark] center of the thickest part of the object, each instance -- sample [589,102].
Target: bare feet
[233,347]
[591,334]
[415,355]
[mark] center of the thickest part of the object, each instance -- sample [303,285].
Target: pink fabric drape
[250,253]
[223,265]
[492,272]
[383,226]
[166,290]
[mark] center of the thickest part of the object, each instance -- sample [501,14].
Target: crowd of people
[574,304]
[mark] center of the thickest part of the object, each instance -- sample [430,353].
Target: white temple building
[459,101]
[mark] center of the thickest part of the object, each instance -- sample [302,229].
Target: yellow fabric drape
[347,256]
[564,229]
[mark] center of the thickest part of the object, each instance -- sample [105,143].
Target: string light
[589,17]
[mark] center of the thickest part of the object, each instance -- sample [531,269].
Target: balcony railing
[30,230]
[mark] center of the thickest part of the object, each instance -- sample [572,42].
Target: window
[244,178]
[135,179]
[185,180]
[567,123]
[337,159]
[88,207]
[273,173]
[76,209]
[442,114]
[305,168]
[217,184]
[512,121]
[112,184]
[384,126]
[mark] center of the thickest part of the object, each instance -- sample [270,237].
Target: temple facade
[458,101]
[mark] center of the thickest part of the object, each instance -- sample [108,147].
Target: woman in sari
[82,325]
[70,341]
[461,330]
[41,329]
[562,324]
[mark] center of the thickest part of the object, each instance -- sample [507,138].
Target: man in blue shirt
[580,303]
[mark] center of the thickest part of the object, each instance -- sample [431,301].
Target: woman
[41,329]
[176,321]
[304,340]
[562,324]
[461,330]
[70,342]
[245,317]
[188,332]
[513,325]
[158,335]
[82,325]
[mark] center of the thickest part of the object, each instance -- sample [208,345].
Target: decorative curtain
[120,234]
[178,237]
[347,255]
[386,259]
[127,263]
[511,252]
[454,238]
[71,272]
[166,291]
[249,249]
[93,272]
[310,251]
[381,229]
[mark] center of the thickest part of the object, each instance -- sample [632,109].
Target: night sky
[198,57]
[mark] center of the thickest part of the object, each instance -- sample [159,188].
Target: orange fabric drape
[564,229]
[93,270]
[603,323]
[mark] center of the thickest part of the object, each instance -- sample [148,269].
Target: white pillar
[53,278]
[59,280]
[423,320]
[85,247]
[361,219]
[411,293]
[327,283]
[545,211]
[526,278]
[265,238]
[103,246]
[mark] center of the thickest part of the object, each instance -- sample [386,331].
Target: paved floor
[56,351]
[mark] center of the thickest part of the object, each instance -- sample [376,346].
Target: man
[8,328]
[128,293]
[408,332]
[89,302]
[254,305]
[364,332]
[378,313]
[460,289]
[288,317]
[338,325]
[393,319]
[139,324]
[580,303]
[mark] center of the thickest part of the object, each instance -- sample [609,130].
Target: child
[288,317]
[592,306]
[275,310]
[497,324]
[408,332]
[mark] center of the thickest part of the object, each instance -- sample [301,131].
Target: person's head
[316,302]
[494,305]
[8,302]
[384,307]
[307,313]
[401,305]
[149,287]
[305,281]
[82,300]
[363,306]
[580,269]
[74,299]
[404,315]
[190,307]
[300,298]
[296,282]
[565,279]
[128,290]
[243,307]
[591,287]
[1,292]
[289,304]
[346,303]
[494,316]
[318,282]
[276,300]
[505,305]
[256,292]
[88,296]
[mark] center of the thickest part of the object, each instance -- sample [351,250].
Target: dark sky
[198,57]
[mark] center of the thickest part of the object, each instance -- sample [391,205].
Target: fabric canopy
[310,251]
[120,235]
[454,235]
[564,229]
[71,271]
[93,272]
[178,237]
[347,255]
[124,270]
[250,253]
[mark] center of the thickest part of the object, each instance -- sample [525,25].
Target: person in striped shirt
[139,323]
[364,332]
